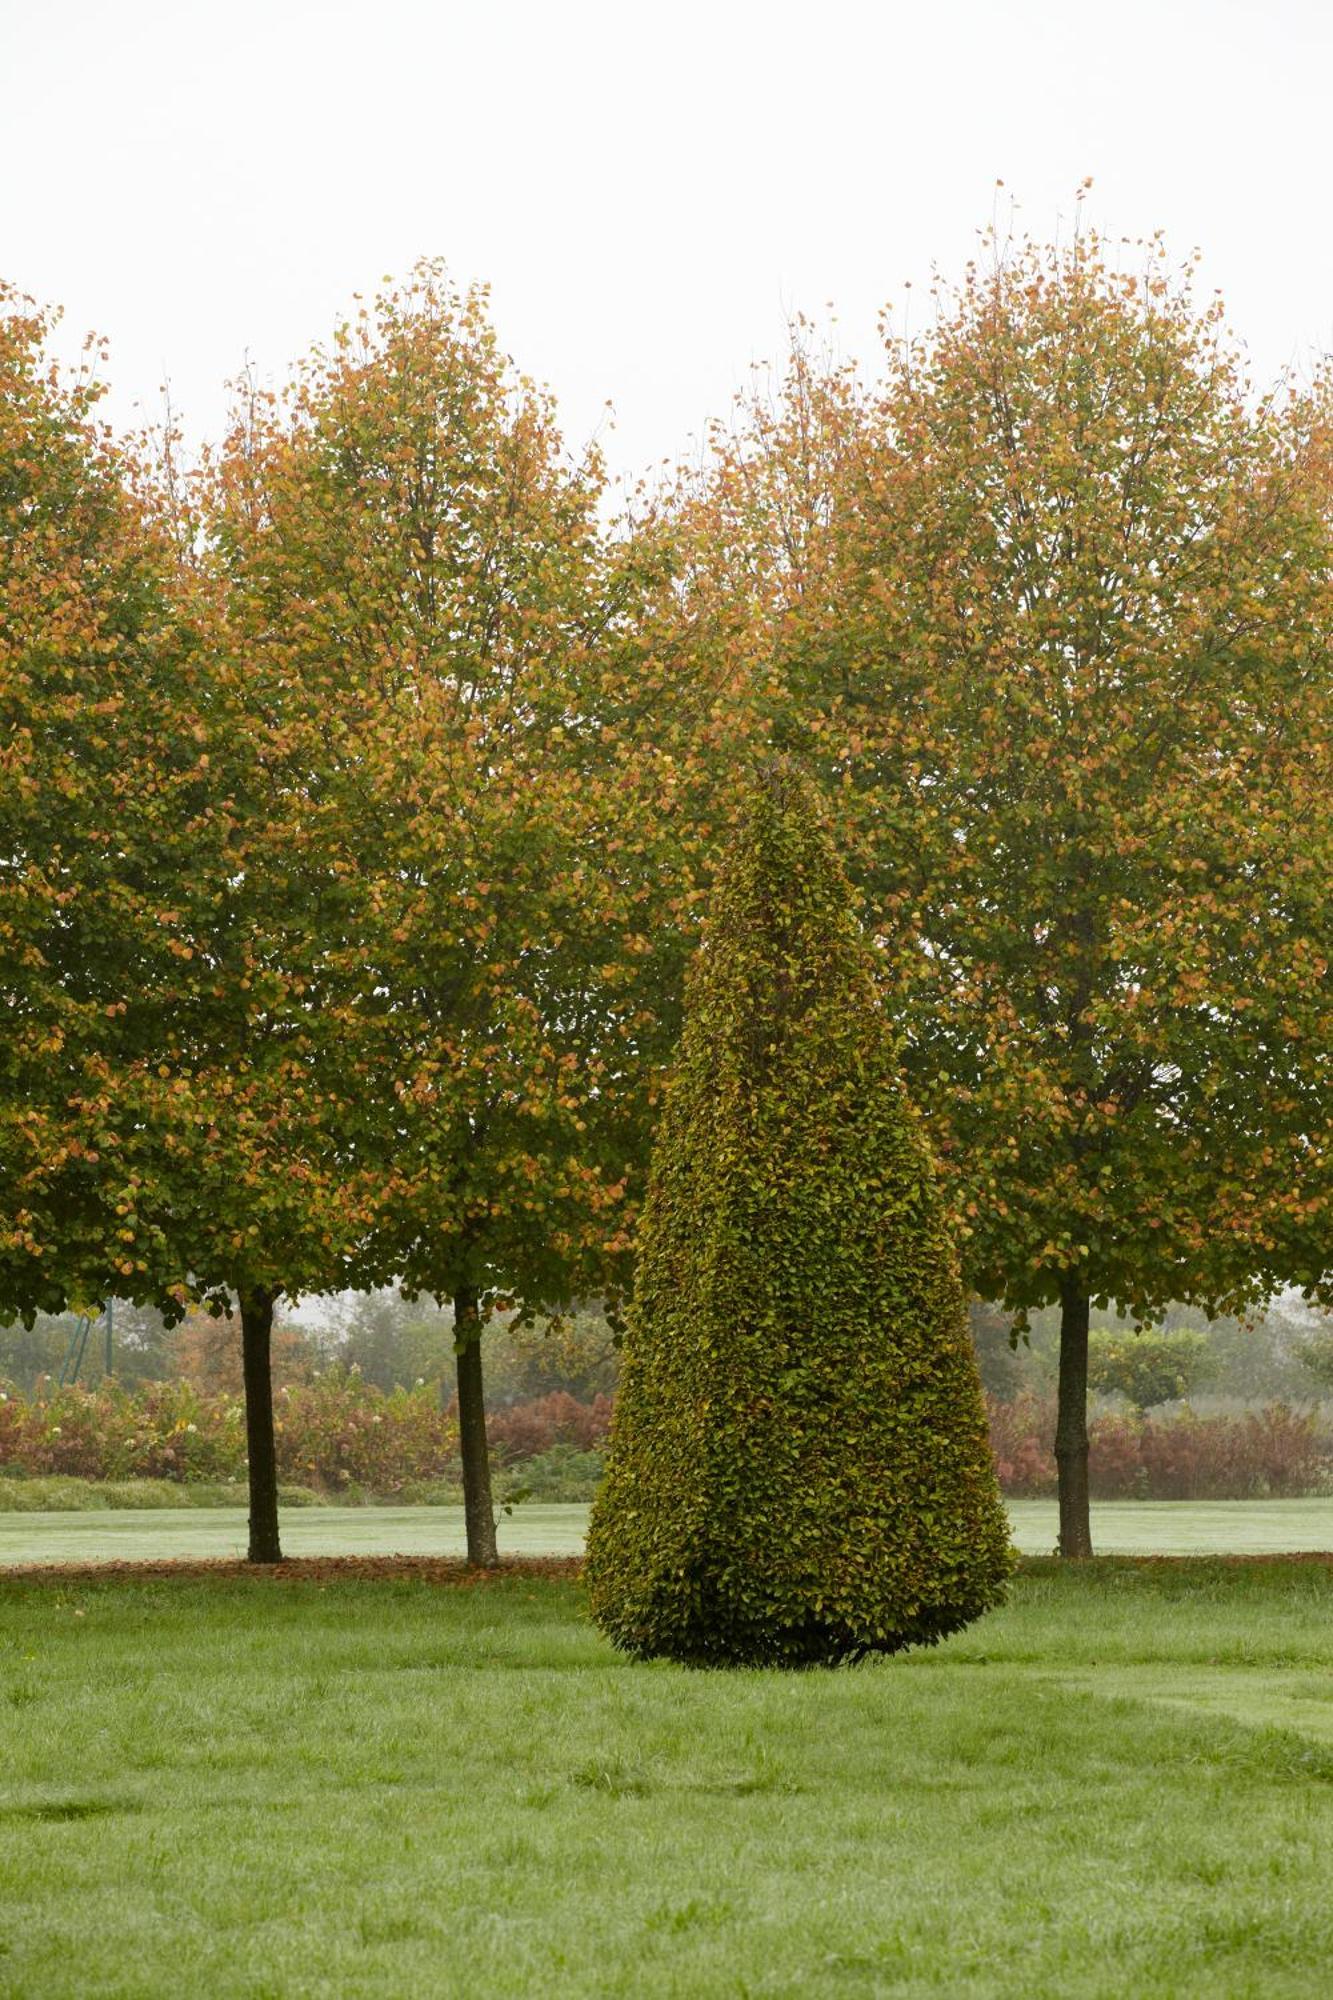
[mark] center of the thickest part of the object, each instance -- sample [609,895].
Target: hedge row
[1273,1453]
[333,1433]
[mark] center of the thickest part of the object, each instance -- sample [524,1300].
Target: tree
[800,1469]
[140,1347]
[405,543]
[182,1117]
[108,840]
[1062,661]
[575,1353]
[998,1361]
[206,1352]
[1315,1353]
[1148,1367]
[391,1344]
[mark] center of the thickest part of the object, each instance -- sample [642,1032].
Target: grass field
[1131,1527]
[1120,1785]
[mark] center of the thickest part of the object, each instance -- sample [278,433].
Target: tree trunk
[1071,1424]
[478,1509]
[256,1365]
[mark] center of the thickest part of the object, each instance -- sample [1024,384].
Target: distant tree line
[394,1343]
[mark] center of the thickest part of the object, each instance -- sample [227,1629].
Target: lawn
[1122,1784]
[1128,1527]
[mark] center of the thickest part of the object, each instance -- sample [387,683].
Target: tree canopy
[105,827]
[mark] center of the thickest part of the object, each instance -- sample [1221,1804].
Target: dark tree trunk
[478,1509]
[1071,1423]
[256,1364]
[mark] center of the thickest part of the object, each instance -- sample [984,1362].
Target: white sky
[649,189]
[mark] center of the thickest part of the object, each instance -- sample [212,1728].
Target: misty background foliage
[1284,1357]
[392,1342]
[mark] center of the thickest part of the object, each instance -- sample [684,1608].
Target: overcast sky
[649,189]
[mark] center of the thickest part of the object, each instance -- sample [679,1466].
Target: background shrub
[1155,1365]
[339,1435]
[1273,1453]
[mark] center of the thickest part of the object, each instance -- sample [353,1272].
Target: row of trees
[315,902]
[360,791]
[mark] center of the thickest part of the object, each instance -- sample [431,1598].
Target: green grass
[1161,1527]
[57,1495]
[1120,1785]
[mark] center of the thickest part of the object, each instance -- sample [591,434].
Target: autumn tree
[257,1127]
[101,801]
[800,1470]
[404,536]
[205,1351]
[184,1083]
[1066,675]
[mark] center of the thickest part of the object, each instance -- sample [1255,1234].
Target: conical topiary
[800,1470]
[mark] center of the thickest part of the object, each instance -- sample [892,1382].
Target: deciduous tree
[104,825]
[1075,702]
[1055,634]
[406,542]
[1149,1367]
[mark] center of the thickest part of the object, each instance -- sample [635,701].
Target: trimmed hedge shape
[800,1471]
